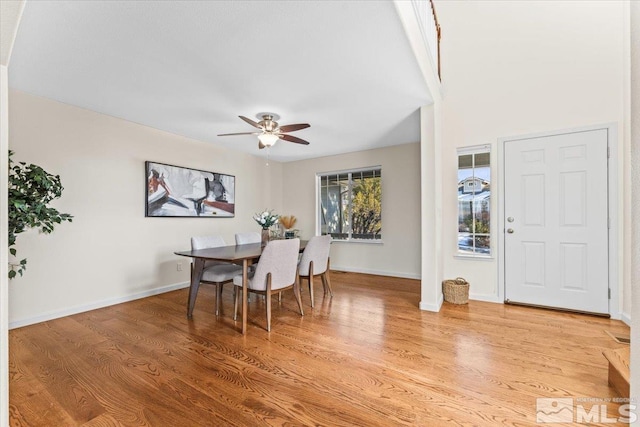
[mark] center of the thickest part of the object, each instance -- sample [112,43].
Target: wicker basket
[456,291]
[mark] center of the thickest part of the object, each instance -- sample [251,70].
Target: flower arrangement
[288,221]
[266,219]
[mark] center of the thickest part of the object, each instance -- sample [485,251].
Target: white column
[635,203]
[4,242]
[10,15]
[430,161]
[431,215]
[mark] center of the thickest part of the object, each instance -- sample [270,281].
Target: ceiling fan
[271,131]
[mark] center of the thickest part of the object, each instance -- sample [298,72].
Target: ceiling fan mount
[271,131]
[268,122]
[261,116]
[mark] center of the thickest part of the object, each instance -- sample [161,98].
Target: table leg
[245,292]
[196,277]
[296,291]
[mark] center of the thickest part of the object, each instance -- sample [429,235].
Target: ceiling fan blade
[294,139]
[261,145]
[251,122]
[241,133]
[291,128]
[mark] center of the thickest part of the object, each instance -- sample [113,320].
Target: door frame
[615,309]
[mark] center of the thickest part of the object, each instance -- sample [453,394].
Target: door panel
[556,237]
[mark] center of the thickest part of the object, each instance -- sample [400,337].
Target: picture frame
[176,191]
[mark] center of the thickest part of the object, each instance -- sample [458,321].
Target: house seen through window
[350,205]
[474,201]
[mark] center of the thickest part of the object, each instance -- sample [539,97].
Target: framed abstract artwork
[174,191]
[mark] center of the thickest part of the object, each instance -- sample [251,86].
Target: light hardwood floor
[366,357]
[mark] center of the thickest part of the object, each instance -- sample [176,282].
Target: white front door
[556,232]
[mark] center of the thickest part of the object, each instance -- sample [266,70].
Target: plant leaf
[30,190]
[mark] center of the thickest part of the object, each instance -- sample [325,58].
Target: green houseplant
[31,188]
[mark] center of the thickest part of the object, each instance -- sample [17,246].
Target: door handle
[510,230]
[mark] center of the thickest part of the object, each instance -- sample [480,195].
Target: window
[474,201]
[350,206]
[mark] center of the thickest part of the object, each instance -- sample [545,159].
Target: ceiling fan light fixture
[268,139]
[270,131]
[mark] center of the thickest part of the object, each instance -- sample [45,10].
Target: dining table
[244,255]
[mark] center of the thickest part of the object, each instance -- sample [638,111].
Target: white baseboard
[432,307]
[626,318]
[376,272]
[98,304]
[485,298]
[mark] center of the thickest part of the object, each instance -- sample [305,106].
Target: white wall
[4,241]
[10,15]
[111,252]
[514,68]
[399,255]
[635,184]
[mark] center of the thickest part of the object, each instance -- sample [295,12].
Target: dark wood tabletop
[230,253]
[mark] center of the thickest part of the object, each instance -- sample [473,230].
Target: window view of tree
[367,208]
[474,195]
[351,204]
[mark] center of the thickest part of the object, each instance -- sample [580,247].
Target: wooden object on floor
[216,273]
[620,338]
[276,271]
[366,357]
[619,373]
[315,261]
[236,254]
[324,276]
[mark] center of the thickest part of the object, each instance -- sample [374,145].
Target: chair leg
[325,279]
[311,283]
[268,302]
[235,302]
[311,290]
[218,297]
[325,282]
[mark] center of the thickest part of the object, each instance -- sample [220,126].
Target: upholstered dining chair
[215,272]
[247,238]
[315,262]
[276,271]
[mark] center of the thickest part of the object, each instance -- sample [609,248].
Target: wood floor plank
[367,356]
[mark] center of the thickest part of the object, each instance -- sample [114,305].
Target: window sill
[474,257]
[366,242]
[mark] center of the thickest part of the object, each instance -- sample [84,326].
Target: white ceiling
[191,68]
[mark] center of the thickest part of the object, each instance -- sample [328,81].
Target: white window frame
[319,177]
[478,149]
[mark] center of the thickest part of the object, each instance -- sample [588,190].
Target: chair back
[205,242]
[317,250]
[280,258]
[247,238]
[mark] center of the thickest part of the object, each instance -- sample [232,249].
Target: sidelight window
[474,201]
